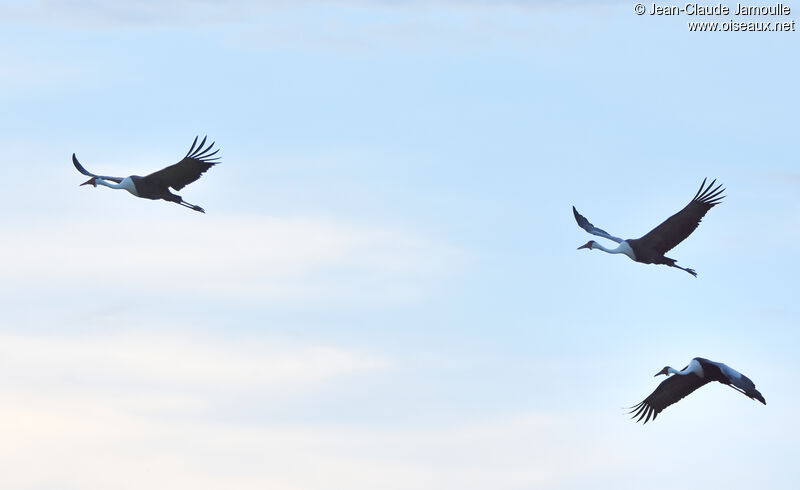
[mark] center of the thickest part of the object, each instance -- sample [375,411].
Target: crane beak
[588,245]
[91,181]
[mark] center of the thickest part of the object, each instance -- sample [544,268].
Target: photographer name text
[720,9]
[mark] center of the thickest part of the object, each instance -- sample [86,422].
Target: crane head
[588,245]
[92,181]
[664,371]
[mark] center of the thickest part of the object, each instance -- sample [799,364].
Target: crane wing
[89,174]
[190,168]
[670,390]
[739,381]
[584,223]
[680,225]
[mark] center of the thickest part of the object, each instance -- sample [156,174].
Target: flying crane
[698,373]
[650,249]
[157,184]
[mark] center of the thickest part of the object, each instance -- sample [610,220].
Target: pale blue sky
[385,292]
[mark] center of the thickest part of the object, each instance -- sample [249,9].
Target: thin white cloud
[167,359]
[48,445]
[58,411]
[269,259]
[188,11]
[86,411]
[127,401]
[339,25]
[352,27]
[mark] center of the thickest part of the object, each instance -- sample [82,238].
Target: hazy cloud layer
[130,400]
[151,11]
[159,359]
[261,258]
[157,400]
[336,25]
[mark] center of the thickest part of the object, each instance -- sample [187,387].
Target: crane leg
[690,271]
[192,206]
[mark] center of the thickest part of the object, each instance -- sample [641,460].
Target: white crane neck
[622,248]
[126,184]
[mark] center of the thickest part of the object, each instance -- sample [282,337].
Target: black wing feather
[193,165]
[584,223]
[671,390]
[680,225]
[89,174]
